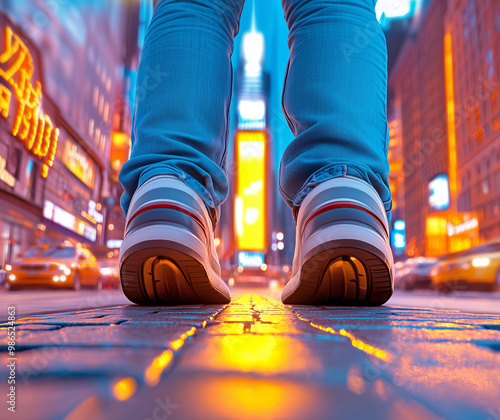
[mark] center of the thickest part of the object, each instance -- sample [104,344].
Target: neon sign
[30,125]
[79,163]
[5,176]
[466,226]
[67,220]
[250,201]
[250,259]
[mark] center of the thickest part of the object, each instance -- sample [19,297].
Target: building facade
[474,30]
[445,88]
[62,76]
[419,110]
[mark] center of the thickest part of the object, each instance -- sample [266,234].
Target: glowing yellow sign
[78,162]
[30,125]
[250,201]
[5,176]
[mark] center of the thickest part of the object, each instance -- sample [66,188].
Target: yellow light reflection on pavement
[153,372]
[177,344]
[359,344]
[252,337]
[124,388]
[252,399]
[157,366]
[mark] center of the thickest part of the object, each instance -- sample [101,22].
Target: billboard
[79,163]
[398,238]
[250,199]
[250,259]
[439,195]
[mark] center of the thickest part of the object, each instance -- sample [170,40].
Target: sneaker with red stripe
[168,254]
[342,252]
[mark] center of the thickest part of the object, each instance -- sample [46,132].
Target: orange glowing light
[157,366]
[124,388]
[255,398]
[450,108]
[4,101]
[359,344]
[250,201]
[120,146]
[177,344]
[29,125]
[79,163]
[153,372]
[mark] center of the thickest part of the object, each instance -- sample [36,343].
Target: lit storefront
[61,83]
[50,180]
[28,141]
[448,232]
[71,201]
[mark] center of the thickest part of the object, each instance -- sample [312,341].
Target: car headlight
[66,270]
[106,271]
[480,262]
[8,267]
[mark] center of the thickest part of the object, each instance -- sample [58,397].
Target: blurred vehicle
[416,273]
[110,273]
[399,268]
[477,268]
[251,277]
[63,266]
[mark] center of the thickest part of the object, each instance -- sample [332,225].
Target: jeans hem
[325,174]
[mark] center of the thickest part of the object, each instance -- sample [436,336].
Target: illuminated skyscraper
[473,30]
[417,85]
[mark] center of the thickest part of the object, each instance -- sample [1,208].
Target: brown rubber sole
[165,276]
[343,276]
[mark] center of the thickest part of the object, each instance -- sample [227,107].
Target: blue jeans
[334,98]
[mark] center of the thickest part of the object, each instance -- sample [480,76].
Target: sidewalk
[256,359]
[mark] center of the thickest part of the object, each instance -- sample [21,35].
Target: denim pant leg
[334,97]
[183,94]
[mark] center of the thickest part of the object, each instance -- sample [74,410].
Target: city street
[258,359]
[45,301]
[296,151]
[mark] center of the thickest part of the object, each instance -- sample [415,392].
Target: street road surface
[256,359]
[42,301]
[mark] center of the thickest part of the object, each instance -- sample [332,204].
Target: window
[59,252]
[489,60]
[33,252]
[13,163]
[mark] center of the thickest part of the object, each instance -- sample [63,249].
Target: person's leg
[175,178]
[334,97]
[335,172]
[181,120]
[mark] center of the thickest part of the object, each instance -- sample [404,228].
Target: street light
[280,236]
[281,245]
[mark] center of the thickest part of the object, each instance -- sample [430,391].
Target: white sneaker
[168,255]
[342,252]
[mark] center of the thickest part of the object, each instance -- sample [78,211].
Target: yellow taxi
[477,268]
[65,266]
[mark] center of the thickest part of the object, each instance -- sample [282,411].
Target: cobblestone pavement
[256,359]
